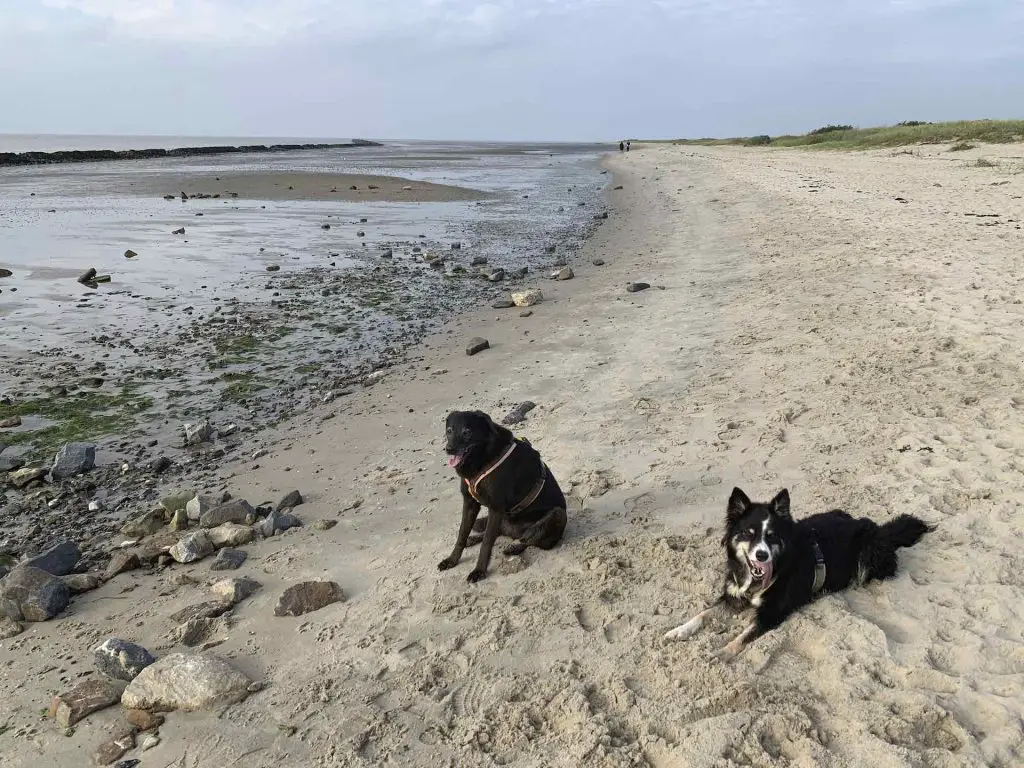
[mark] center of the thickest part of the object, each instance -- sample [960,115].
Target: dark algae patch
[74,416]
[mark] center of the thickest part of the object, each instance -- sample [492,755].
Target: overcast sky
[503,69]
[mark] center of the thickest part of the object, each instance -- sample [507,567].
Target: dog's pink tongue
[766,568]
[453,461]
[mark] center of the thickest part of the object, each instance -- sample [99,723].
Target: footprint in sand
[587,618]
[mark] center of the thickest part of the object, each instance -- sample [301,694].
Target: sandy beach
[848,326]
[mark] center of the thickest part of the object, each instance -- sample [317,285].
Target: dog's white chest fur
[748,590]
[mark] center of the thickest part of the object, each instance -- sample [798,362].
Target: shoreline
[803,329]
[18,159]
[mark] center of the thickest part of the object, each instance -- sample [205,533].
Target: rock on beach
[186,682]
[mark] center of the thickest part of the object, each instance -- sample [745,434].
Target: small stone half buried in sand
[637,287]
[307,597]
[477,344]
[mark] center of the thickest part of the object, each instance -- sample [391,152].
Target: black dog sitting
[507,476]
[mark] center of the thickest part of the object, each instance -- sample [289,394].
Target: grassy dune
[962,132]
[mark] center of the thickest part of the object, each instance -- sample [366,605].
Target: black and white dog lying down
[777,565]
[508,477]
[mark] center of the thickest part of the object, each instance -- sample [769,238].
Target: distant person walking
[627,146]
[621,146]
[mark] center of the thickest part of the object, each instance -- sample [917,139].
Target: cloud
[261,22]
[501,68]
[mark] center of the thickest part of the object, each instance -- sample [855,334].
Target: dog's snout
[761,555]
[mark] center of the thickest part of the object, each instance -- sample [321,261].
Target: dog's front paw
[685,631]
[728,653]
[448,562]
[476,575]
[682,632]
[515,549]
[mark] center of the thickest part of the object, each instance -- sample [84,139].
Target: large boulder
[73,459]
[121,659]
[58,560]
[187,682]
[31,594]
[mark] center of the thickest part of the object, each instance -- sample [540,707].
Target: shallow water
[157,312]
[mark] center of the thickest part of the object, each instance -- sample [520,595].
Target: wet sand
[269,185]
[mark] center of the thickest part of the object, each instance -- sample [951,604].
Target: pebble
[565,273]
[637,287]
[159,465]
[527,298]
[110,751]
[290,501]
[477,345]
[143,720]
[518,414]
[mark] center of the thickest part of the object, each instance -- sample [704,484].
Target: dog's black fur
[474,442]
[771,559]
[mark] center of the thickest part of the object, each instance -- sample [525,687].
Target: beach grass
[960,133]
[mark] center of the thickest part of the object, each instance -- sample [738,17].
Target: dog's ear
[738,505]
[780,504]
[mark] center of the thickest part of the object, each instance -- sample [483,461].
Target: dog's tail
[904,531]
[878,553]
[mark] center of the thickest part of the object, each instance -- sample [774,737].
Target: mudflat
[295,185]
